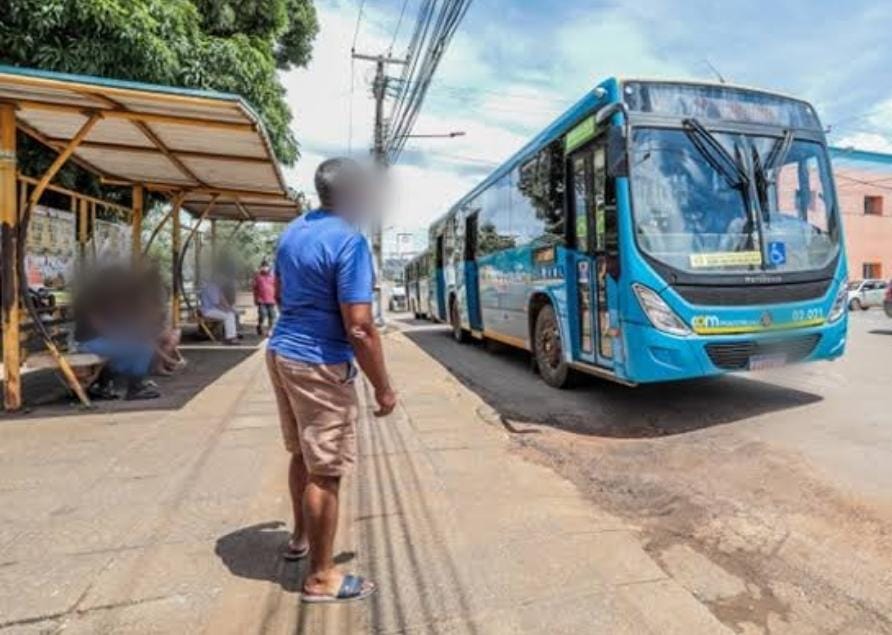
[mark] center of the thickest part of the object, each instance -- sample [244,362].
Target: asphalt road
[769,496]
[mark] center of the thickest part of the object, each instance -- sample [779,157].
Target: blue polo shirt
[322,262]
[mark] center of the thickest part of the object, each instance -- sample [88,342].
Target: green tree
[236,46]
[228,45]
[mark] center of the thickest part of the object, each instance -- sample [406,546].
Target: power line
[358,22]
[353,79]
[434,30]
[399,23]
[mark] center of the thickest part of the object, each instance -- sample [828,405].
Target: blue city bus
[656,231]
[418,287]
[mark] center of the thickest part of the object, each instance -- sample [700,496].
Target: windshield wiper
[763,172]
[716,154]
[736,173]
[779,152]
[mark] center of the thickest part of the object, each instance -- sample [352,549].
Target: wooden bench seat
[86,366]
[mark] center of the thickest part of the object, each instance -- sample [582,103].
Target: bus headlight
[840,304]
[658,312]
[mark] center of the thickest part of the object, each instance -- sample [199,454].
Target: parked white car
[864,294]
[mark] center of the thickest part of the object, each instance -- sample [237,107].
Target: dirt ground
[769,497]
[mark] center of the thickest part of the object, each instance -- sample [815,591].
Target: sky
[514,66]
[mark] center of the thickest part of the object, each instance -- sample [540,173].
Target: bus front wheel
[549,351]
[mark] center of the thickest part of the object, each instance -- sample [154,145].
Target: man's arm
[360,326]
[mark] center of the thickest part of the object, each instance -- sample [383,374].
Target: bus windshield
[691,216]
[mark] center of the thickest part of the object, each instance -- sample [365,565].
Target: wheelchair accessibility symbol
[777,253]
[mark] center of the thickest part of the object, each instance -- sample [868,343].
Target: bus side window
[606,225]
[537,198]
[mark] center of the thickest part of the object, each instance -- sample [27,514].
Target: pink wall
[868,238]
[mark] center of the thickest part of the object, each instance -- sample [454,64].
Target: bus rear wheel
[458,333]
[549,351]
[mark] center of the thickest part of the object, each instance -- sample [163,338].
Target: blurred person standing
[265,297]
[325,277]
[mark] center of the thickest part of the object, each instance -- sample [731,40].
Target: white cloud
[497,85]
[870,141]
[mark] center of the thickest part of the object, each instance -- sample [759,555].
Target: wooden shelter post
[9,220]
[174,256]
[136,224]
[82,221]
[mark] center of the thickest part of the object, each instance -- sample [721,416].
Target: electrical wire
[399,24]
[353,79]
[434,30]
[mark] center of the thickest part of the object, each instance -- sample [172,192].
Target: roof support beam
[260,194]
[132,115]
[186,154]
[75,195]
[64,155]
[150,134]
[174,205]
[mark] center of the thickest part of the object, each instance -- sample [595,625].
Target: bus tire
[458,333]
[548,350]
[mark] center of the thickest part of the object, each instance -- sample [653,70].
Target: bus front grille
[737,355]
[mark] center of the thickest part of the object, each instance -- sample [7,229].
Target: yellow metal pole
[9,221]
[174,255]
[136,224]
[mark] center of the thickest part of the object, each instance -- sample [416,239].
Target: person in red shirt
[265,297]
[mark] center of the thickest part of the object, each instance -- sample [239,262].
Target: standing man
[265,297]
[325,277]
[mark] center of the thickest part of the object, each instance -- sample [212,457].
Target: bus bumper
[654,356]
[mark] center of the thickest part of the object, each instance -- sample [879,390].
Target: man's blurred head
[342,185]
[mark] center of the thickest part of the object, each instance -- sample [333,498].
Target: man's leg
[297,486]
[321,512]
[271,315]
[297,472]
[230,327]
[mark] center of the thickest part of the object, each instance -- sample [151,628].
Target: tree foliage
[228,45]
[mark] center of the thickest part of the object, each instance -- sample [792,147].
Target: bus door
[593,213]
[472,284]
[440,279]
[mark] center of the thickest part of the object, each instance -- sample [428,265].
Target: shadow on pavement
[45,394]
[502,377]
[881,332]
[255,552]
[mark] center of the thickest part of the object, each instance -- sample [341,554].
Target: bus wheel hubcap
[550,345]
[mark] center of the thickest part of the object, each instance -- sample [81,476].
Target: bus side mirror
[617,153]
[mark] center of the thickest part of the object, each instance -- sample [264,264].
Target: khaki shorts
[318,408]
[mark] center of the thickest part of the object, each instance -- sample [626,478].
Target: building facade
[864,188]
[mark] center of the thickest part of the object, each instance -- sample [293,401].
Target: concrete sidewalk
[172,522]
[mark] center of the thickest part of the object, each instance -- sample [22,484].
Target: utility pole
[379,155]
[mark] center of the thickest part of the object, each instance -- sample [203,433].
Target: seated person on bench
[214,306]
[107,323]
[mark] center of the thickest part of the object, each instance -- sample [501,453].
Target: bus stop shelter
[207,152]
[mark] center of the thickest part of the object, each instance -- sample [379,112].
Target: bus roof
[606,92]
